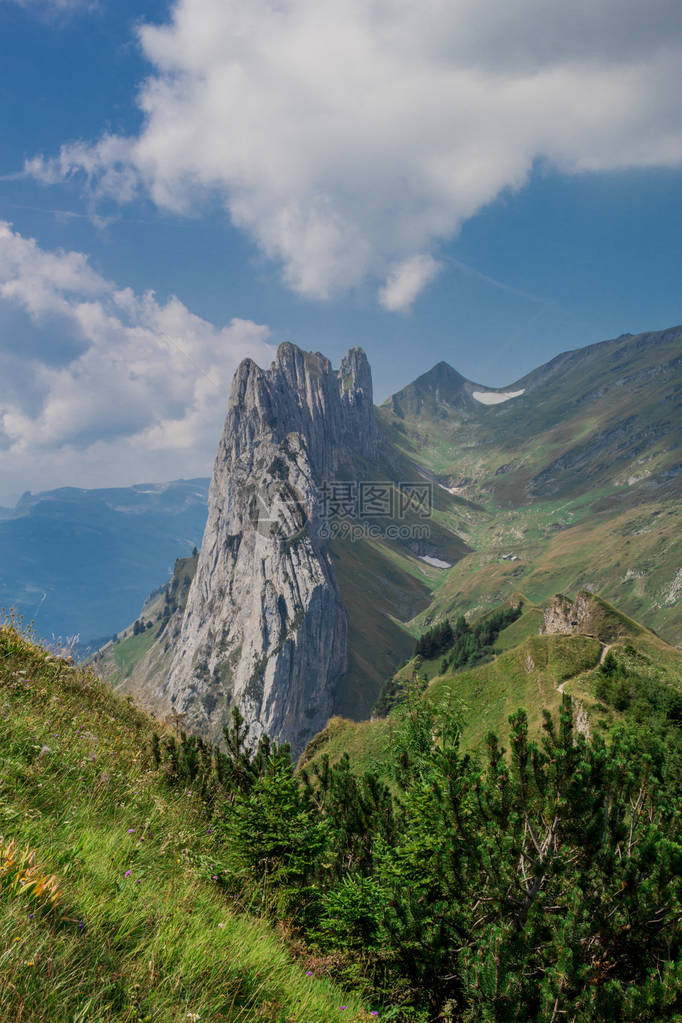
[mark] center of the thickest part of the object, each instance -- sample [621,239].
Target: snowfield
[436,562]
[496,397]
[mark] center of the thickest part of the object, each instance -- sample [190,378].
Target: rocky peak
[440,387]
[332,411]
[564,616]
[587,615]
[264,626]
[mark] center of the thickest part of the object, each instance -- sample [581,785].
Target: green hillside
[526,670]
[379,592]
[143,927]
[575,483]
[141,875]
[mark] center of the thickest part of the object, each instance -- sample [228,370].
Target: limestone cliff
[264,626]
[587,615]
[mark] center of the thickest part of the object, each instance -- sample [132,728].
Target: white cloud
[348,137]
[405,281]
[123,403]
[55,5]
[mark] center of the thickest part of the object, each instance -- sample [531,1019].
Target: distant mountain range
[81,562]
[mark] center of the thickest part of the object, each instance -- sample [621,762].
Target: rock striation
[264,625]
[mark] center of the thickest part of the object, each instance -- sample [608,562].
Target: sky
[186,184]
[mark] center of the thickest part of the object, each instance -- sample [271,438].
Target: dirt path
[605,649]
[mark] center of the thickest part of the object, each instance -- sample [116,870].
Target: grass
[527,676]
[527,671]
[143,929]
[128,651]
[630,556]
[369,744]
[377,592]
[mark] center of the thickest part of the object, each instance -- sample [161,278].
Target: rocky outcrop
[564,616]
[264,626]
[587,615]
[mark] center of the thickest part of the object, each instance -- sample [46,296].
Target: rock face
[564,616]
[264,627]
[587,615]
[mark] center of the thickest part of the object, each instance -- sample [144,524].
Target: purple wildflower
[127,873]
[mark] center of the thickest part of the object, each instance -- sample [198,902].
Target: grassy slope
[75,788]
[526,676]
[632,558]
[378,592]
[527,672]
[578,478]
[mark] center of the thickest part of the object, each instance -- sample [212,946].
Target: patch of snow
[436,562]
[496,397]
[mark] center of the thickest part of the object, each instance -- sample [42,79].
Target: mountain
[574,478]
[292,614]
[460,512]
[264,626]
[568,479]
[81,562]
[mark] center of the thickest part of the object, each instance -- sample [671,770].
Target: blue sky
[224,176]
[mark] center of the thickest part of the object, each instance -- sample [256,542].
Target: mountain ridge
[112,544]
[444,370]
[551,649]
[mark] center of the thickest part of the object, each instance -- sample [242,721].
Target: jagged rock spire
[264,626]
